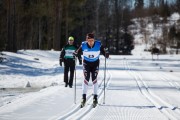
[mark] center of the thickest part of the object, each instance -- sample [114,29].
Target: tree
[164,10]
[117,24]
[177,5]
[139,4]
[164,41]
[75,20]
[58,18]
[11,26]
[152,4]
[106,24]
[171,34]
[37,24]
[3,30]
[174,36]
[127,44]
[178,41]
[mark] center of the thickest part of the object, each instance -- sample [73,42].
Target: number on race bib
[91,56]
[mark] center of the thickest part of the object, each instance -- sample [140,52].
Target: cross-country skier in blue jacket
[91,50]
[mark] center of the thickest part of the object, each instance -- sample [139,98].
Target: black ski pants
[91,69]
[69,65]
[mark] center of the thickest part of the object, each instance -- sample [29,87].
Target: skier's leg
[72,68]
[66,70]
[86,81]
[95,87]
[95,71]
[86,78]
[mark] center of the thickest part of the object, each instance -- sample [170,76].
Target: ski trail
[166,78]
[164,107]
[80,113]
[117,109]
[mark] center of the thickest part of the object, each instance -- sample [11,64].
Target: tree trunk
[11,26]
[58,11]
[39,32]
[14,27]
[106,22]
[67,23]
[178,46]
[97,19]
[117,26]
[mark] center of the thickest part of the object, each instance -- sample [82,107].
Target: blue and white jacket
[92,54]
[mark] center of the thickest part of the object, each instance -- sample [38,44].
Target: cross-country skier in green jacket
[68,58]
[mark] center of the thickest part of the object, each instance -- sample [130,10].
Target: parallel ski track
[78,113]
[170,111]
[172,83]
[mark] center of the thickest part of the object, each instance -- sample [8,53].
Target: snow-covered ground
[136,88]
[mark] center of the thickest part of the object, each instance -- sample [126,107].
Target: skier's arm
[79,50]
[61,57]
[78,53]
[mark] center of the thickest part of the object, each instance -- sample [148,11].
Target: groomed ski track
[138,88]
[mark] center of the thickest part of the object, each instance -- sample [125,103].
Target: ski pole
[104,78]
[75,81]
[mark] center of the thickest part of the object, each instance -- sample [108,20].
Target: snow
[137,87]
[144,30]
[175,17]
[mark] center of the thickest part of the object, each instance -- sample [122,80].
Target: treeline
[46,24]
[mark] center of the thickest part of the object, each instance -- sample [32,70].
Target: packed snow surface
[137,87]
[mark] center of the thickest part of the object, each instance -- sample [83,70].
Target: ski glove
[60,62]
[107,55]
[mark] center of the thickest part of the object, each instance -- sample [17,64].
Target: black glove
[60,62]
[107,55]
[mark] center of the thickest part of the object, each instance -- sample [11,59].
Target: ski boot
[95,101]
[83,102]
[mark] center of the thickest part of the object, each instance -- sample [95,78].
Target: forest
[47,24]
